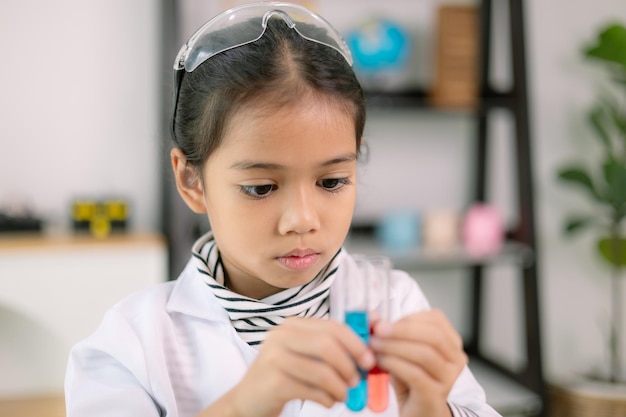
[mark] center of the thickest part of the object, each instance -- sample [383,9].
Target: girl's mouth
[298,262]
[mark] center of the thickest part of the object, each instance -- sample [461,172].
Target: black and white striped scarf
[253,318]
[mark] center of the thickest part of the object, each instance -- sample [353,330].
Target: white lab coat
[171,351]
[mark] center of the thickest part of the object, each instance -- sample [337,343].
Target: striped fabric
[253,318]
[460,411]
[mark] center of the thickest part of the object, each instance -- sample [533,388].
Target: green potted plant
[605,183]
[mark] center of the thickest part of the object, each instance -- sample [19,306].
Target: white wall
[79,104]
[79,108]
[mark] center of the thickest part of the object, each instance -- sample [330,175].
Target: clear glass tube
[377,379]
[367,299]
[356,317]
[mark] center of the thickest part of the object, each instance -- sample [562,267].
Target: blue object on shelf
[378,44]
[399,231]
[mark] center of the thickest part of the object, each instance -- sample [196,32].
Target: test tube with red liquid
[378,280]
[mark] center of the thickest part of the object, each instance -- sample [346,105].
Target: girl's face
[280,193]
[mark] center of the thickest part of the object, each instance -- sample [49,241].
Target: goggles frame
[212,38]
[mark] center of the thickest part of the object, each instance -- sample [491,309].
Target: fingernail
[374,316]
[382,329]
[367,360]
[355,381]
[375,342]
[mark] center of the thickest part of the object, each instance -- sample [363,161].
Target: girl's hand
[424,356]
[307,359]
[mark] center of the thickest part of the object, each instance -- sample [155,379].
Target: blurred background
[88,213]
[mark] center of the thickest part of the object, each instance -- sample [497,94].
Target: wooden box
[456,60]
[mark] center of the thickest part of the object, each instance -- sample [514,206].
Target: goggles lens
[214,36]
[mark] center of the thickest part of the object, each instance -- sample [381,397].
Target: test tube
[377,379]
[356,317]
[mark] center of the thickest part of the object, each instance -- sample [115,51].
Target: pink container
[483,230]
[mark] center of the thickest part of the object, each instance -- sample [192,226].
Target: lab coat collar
[191,296]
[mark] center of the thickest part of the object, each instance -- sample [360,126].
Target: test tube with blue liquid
[356,317]
[367,292]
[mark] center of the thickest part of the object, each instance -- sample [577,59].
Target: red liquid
[377,388]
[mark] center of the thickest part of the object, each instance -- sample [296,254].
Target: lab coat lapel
[191,296]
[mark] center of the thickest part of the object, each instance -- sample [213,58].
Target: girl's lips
[298,262]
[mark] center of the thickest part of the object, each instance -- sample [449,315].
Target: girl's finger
[422,329]
[311,393]
[329,342]
[315,374]
[421,355]
[267,392]
[413,376]
[419,379]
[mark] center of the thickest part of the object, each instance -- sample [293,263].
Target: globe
[378,45]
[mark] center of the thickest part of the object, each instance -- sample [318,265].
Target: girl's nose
[299,213]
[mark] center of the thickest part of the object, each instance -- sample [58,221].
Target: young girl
[267,127]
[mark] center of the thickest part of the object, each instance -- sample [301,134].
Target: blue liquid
[357,396]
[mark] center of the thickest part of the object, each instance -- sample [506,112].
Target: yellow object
[100,226]
[99,217]
[84,210]
[116,210]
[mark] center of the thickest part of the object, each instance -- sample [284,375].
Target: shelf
[397,99]
[505,395]
[420,98]
[35,406]
[26,241]
[423,259]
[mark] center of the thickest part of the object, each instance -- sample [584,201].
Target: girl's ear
[187,182]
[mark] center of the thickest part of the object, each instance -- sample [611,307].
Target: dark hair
[274,71]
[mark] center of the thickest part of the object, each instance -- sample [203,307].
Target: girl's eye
[257,191]
[333,184]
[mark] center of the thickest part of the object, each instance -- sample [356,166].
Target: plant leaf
[610,46]
[619,77]
[579,176]
[576,224]
[618,118]
[615,176]
[597,119]
[613,250]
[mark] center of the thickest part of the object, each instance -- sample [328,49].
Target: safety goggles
[214,37]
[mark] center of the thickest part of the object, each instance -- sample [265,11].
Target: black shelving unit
[515,101]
